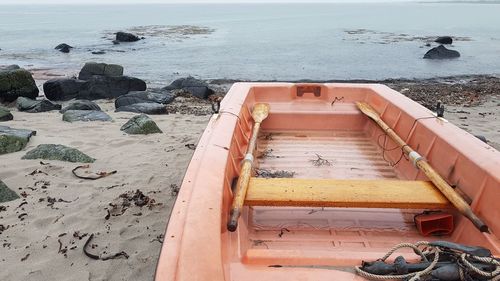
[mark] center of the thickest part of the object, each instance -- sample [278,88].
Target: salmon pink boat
[331,187]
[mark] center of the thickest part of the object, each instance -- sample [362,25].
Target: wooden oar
[259,113]
[426,168]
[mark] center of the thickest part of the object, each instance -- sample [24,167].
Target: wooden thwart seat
[344,193]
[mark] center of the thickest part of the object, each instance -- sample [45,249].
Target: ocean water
[257,41]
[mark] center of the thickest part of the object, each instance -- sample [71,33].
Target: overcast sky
[173,1]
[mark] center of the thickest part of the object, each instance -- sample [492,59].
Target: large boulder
[63,47]
[141,124]
[34,106]
[147,108]
[12,140]
[195,87]
[444,40]
[63,88]
[7,194]
[81,105]
[103,87]
[126,37]
[16,82]
[144,97]
[5,114]
[85,115]
[58,152]
[441,52]
[92,68]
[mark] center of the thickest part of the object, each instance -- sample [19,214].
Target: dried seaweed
[263,173]
[320,161]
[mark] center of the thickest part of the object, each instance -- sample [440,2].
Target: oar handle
[241,191]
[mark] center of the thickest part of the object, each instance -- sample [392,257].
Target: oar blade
[367,110]
[260,112]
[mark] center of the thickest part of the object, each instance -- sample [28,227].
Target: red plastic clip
[432,223]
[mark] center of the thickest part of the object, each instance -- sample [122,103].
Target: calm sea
[257,41]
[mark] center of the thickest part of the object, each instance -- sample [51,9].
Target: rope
[414,276]
[465,267]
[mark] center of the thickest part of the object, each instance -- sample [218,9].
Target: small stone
[12,140]
[141,124]
[7,194]
[35,106]
[81,105]
[85,115]
[58,152]
[5,114]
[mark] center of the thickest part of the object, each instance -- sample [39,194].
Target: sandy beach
[45,231]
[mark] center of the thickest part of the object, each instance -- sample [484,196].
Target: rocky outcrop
[35,106]
[126,37]
[63,88]
[147,108]
[6,194]
[195,87]
[444,40]
[96,81]
[141,124]
[5,114]
[163,97]
[58,152]
[81,105]
[441,52]
[12,140]
[92,68]
[16,82]
[85,115]
[63,47]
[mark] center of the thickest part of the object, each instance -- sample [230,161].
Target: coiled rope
[433,250]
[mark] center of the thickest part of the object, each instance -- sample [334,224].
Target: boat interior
[330,188]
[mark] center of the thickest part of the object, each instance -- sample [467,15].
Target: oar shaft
[243,180]
[427,169]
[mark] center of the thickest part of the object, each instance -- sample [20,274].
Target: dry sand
[62,210]
[154,164]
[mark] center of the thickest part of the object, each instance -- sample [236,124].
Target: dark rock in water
[12,140]
[141,124]
[98,52]
[428,44]
[441,52]
[102,87]
[58,152]
[16,82]
[81,105]
[34,106]
[444,40]
[144,97]
[126,37]
[85,115]
[92,68]
[5,114]
[65,48]
[148,108]
[62,89]
[195,87]
[115,42]
[7,194]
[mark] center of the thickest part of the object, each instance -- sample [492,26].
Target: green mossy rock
[58,152]
[141,124]
[12,140]
[7,194]
[16,82]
